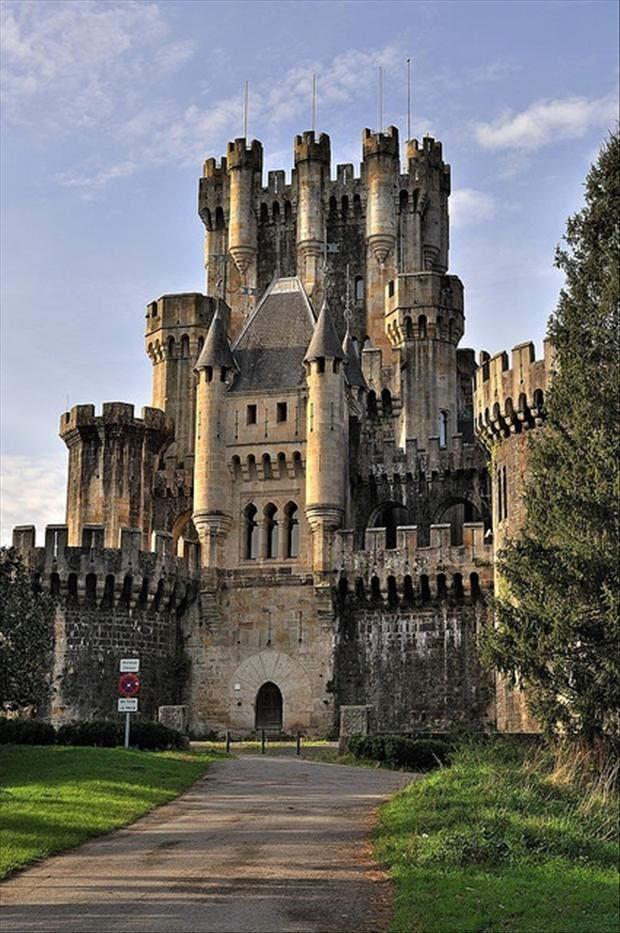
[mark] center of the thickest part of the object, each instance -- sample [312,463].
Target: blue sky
[111,107]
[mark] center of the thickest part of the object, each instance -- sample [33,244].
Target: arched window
[333,206]
[392,592]
[72,589]
[344,205]
[422,326]
[219,219]
[90,590]
[442,591]
[359,288]
[144,593]
[292,530]
[267,466]
[425,590]
[275,212]
[408,593]
[442,428]
[159,595]
[457,586]
[185,347]
[390,516]
[357,205]
[125,599]
[107,600]
[408,328]
[264,213]
[288,211]
[375,590]
[371,402]
[250,531]
[360,592]
[271,531]
[386,402]
[474,586]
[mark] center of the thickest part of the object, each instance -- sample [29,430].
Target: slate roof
[270,349]
[216,350]
[325,342]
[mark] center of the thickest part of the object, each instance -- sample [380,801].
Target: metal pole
[313,103]
[299,743]
[262,741]
[408,98]
[380,99]
[127,715]
[245,111]
[227,741]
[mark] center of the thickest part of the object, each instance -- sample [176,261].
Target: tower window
[271,532]
[359,288]
[250,547]
[250,414]
[443,428]
[292,530]
[281,411]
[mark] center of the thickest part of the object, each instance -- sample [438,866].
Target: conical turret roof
[325,342]
[216,351]
[352,365]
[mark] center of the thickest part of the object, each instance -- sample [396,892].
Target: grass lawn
[496,843]
[52,798]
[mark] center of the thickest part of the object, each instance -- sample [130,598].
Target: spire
[352,362]
[216,351]
[325,342]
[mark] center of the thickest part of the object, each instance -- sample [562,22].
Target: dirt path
[260,845]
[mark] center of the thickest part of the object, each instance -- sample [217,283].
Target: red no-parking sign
[129,684]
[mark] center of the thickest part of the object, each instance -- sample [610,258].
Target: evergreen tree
[26,637]
[557,621]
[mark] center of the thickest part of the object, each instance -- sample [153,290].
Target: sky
[110,108]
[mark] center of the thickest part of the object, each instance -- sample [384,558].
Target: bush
[99,732]
[154,735]
[26,732]
[402,751]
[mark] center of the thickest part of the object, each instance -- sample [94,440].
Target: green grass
[496,843]
[53,798]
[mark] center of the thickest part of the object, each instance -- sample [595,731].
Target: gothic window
[292,530]
[250,531]
[359,288]
[271,532]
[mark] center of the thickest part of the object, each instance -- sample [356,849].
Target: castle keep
[304,520]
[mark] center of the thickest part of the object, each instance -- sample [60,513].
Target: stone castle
[305,520]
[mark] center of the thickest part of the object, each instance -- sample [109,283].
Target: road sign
[130,665]
[128,704]
[129,685]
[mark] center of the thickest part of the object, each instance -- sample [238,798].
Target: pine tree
[557,623]
[26,638]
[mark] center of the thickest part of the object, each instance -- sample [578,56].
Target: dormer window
[281,412]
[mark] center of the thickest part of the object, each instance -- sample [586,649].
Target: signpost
[129,687]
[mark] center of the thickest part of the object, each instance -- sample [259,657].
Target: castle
[303,525]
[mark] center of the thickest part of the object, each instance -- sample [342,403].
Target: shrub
[402,751]
[99,732]
[26,732]
[154,735]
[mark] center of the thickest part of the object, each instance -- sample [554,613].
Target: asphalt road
[260,845]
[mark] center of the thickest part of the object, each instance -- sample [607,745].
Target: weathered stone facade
[308,475]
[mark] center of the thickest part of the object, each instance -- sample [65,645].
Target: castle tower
[508,404]
[326,438]
[380,172]
[244,167]
[429,177]
[176,327]
[424,321]
[112,461]
[212,514]
[312,166]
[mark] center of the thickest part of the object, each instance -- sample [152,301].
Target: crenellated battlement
[308,147]
[114,414]
[178,311]
[125,576]
[215,169]
[510,398]
[428,149]
[424,572]
[422,305]
[240,155]
[381,143]
[394,462]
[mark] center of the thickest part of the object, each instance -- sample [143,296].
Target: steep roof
[270,349]
[325,342]
[216,350]
[352,365]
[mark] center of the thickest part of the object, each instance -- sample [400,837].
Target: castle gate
[269,707]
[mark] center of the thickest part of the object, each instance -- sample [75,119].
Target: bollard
[262,741]
[298,751]
[227,741]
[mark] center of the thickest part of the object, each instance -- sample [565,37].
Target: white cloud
[468,206]
[33,493]
[548,121]
[76,63]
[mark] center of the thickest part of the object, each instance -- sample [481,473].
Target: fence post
[227,741]
[262,741]
[298,751]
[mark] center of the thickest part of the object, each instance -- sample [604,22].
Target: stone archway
[286,674]
[268,707]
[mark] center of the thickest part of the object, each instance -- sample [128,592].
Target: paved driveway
[260,845]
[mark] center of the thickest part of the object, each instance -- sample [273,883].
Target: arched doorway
[269,707]
[389,515]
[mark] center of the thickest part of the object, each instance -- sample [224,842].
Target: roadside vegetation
[53,797]
[506,839]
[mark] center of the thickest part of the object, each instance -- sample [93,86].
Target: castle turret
[424,320]
[245,167]
[312,165]
[212,514]
[380,171]
[326,438]
[112,461]
[430,177]
[176,327]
